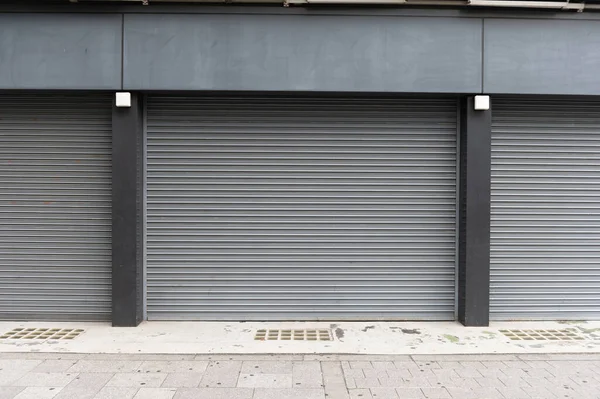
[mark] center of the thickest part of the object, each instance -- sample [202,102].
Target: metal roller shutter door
[55,207]
[545,238]
[301,208]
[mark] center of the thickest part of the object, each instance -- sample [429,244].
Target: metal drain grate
[293,335]
[42,333]
[543,335]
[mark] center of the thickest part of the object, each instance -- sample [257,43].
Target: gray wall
[542,57]
[60,51]
[449,52]
[280,52]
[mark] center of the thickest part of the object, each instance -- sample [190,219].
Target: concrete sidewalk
[399,338]
[112,376]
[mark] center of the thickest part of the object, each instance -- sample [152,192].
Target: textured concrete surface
[300,376]
[349,337]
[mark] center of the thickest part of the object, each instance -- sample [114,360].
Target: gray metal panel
[301,208]
[281,53]
[60,51]
[541,57]
[545,234]
[55,207]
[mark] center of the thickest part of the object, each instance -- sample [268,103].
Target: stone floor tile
[90,380]
[53,366]
[215,393]
[307,375]
[467,372]
[374,373]
[171,366]
[367,382]
[267,367]
[384,393]
[408,364]
[10,392]
[295,393]
[360,365]
[361,393]
[428,365]
[399,373]
[354,373]
[77,393]
[105,366]
[155,393]
[38,393]
[335,385]
[383,365]
[182,380]
[222,374]
[116,393]
[45,379]
[410,393]
[138,380]
[436,393]
[265,381]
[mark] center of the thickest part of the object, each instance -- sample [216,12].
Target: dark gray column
[474,215]
[127,208]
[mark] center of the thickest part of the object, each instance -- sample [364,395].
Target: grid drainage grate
[543,335]
[293,335]
[42,333]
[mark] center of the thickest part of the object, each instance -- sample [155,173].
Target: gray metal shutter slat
[55,207]
[545,238]
[290,208]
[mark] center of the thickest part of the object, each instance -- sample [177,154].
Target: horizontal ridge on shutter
[55,207]
[291,208]
[545,227]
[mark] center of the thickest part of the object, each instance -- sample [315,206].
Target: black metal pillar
[474,215]
[127,211]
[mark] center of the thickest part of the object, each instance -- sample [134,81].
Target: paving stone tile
[383,365]
[436,393]
[428,365]
[155,393]
[215,393]
[77,393]
[54,366]
[514,382]
[93,381]
[361,393]
[222,374]
[10,392]
[513,393]
[105,366]
[295,393]
[45,379]
[138,380]
[182,380]
[384,393]
[373,373]
[350,383]
[307,375]
[335,385]
[23,365]
[171,366]
[406,365]
[138,357]
[367,382]
[265,381]
[467,372]
[476,393]
[354,373]
[490,382]
[116,393]
[494,365]
[399,373]
[410,393]
[267,367]
[38,393]
[360,365]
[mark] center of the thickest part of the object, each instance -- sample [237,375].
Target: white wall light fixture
[482,103]
[123,99]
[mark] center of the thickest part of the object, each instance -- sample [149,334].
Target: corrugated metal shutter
[55,207]
[301,208]
[545,244]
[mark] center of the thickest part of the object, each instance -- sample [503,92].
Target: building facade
[205,162]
